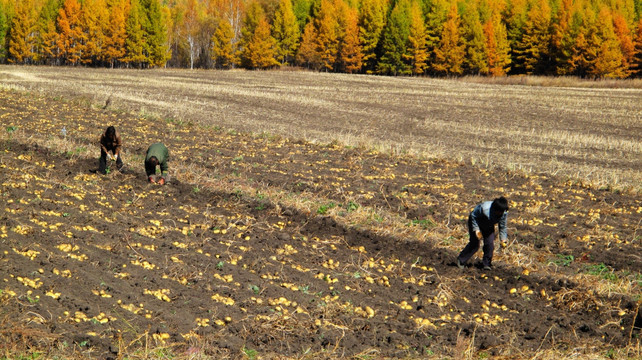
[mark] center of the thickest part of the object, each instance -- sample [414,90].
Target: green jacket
[162,154]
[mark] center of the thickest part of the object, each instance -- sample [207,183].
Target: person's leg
[472,247]
[119,162]
[489,248]
[102,163]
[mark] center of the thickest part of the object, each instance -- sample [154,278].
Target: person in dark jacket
[110,142]
[157,155]
[481,225]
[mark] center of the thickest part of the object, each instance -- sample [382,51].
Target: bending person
[157,155]
[110,141]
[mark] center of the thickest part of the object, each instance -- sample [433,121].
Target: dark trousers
[473,245]
[102,164]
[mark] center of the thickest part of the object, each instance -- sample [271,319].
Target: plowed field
[262,246]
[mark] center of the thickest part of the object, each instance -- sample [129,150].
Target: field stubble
[587,133]
[264,246]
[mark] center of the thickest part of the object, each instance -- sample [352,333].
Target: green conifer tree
[285,30]
[449,55]
[476,61]
[155,27]
[417,54]
[301,9]
[636,65]
[436,15]
[6,10]
[395,41]
[136,41]
[47,45]
[534,48]
[562,38]
[372,19]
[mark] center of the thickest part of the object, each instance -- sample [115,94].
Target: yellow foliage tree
[22,39]
[327,36]
[261,48]
[449,55]
[116,33]
[223,52]
[609,60]
[417,54]
[95,21]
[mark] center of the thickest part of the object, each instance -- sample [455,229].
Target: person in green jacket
[157,154]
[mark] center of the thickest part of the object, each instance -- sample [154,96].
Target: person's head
[499,206]
[110,133]
[151,162]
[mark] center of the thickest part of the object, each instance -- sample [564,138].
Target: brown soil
[110,264]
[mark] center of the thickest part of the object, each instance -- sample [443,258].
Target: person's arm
[163,165]
[117,145]
[102,143]
[503,235]
[473,219]
[164,168]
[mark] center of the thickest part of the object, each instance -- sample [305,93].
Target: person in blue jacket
[481,225]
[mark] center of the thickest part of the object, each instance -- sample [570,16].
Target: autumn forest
[586,38]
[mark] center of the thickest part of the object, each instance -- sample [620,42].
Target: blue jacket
[482,220]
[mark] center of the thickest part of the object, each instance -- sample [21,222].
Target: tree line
[587,38]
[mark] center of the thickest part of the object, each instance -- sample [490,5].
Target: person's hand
[161,181]
[151,180]
[116,157]
[478,234]
[108,157]
[504,244]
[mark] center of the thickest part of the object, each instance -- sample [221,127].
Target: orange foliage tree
[71,33]
[308,54]
[497,47]
[625,38]
[588,38]
[351,56]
